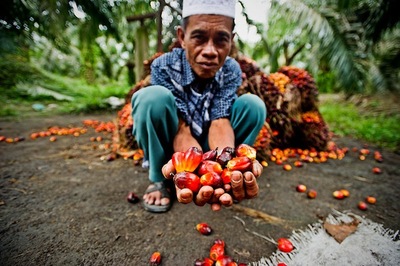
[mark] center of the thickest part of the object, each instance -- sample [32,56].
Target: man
[192,103]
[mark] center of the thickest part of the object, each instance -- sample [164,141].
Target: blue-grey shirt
[196,106]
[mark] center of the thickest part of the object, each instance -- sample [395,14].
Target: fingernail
[248,178]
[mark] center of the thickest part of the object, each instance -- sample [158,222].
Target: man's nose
[209,49]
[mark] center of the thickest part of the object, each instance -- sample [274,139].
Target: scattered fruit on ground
[132,198]
[345,192]
[155,259]
[376,170]
[362,206]
[204,229]
[370,200]
[285,245]
[298,164]
[217,250]
[301,188]
[338,194]
[287,167]
[312,194]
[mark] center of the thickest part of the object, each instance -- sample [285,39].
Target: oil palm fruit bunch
[313,131]
[305,83]
[263,142]
[282,129]
[248,66]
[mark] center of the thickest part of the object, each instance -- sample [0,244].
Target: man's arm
[221,134]
[184,139]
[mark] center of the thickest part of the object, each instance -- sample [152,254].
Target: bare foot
[157,198]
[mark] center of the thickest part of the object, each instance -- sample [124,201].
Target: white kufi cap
[209,7]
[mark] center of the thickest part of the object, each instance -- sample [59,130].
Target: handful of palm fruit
[195,169]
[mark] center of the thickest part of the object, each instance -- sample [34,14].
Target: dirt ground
[61,204]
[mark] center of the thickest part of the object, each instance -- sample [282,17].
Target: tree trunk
[141,51]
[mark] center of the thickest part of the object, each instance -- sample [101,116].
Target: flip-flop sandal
[162,187]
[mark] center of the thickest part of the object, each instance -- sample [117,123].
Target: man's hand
[243,186]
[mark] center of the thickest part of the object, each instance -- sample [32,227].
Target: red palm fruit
[211,179]
[362,206]
[132,198]
[298,164]
[210,155]
[204,262]
[226,176]
[204,229]
[187,161]
[219,241]
[209,166]
[371,200]
[376,170]
[155,259]
[242,164]
[338,194]
[217,251]
[193,157]
[345,192]
[287,167]
[285,245]
[378,156]
[312,194]
[226,155]
[187,180]
[224,260]
[246,150]
[301,188]
[178,161]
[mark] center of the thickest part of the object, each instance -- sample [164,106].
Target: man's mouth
[207,65]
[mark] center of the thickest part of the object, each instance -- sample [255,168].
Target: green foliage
[345,119]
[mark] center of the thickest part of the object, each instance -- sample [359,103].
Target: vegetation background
[84,55]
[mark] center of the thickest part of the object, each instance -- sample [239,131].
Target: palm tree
[346,35]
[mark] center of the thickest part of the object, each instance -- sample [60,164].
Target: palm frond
[322,29]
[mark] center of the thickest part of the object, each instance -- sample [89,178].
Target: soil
[62,203]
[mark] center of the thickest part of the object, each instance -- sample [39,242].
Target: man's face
[207,41]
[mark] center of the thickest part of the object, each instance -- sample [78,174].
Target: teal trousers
[155,117]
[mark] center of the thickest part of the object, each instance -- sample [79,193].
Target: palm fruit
[187,161]
[211,179]
[209,166]
[263,140]
[305,83]
[313,131]
[203,228]
[246,150]
[187,180]
[227,154]
[282,130]
[242,164]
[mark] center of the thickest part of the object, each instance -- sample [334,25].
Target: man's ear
[180,33]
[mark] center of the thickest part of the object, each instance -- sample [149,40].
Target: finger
[257,168]
[168,170]
[226,200]
[215,207]
[251,185]
[217,193]
[227,187]
[184,195]
[204,195]
[237,185]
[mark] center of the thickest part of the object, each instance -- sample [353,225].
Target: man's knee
[253,103]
